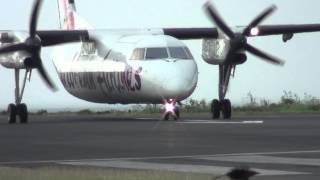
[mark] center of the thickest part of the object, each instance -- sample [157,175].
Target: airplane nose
[176,87]
[180,87]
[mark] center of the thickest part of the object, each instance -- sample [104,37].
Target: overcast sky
[300,74]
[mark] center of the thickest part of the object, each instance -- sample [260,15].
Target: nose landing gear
[171,110]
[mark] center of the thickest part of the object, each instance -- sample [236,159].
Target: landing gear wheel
[22,111]
[12,112]
[177,112]
[226,108]
[215,109]
[166,116]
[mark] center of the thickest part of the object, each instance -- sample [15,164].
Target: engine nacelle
[215,51]
[14,60]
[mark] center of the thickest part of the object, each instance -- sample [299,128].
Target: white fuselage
[111,72]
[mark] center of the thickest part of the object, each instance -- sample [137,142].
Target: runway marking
[265,160]
[219,122]
[217,170]
[145,118]
[160,157]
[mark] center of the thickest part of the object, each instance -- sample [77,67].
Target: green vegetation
[83,173]
[41,112]
[189,106]
[290,102]
[85,111]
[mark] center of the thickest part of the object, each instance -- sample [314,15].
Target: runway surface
[278,147]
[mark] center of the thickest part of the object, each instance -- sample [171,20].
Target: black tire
[12,113]
[22,111]
[166,116]
[177,112]
[215,109]
[226,109]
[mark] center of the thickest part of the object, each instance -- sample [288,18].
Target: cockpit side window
[138,54]
[157,53]
[179,53]
[188,52]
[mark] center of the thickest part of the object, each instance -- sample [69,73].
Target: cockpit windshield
[161,53]
[138,54]
[157,53]
[179,53]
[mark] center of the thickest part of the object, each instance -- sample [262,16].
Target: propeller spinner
[239,41]
[32,45]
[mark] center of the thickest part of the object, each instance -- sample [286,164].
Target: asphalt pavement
[277,146]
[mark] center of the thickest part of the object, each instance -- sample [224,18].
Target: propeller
[32,45]
[238,41]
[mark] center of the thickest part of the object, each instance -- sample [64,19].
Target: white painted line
[162,157]
[216,170]
[253,122]
[219,122]
[145,118]
[265,160]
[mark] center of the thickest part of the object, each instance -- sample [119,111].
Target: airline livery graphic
[129,80]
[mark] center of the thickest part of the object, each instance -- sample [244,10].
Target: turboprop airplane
[134,65]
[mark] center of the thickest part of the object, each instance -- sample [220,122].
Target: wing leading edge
[56,37]
[265,30]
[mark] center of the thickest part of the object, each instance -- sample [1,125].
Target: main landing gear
[222,106]
[18,109]
[171,110]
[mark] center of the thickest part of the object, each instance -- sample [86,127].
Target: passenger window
[157,53]
[138,54]
[179,53]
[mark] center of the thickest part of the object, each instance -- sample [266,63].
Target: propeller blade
[34,17]
[263,55]
[216,18]
[259,19]
[45,76]
[14,48]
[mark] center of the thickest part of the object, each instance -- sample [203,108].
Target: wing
[191,33]
[287,29]
[56,37]
[264,30]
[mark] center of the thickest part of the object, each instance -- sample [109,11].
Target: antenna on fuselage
[59,12]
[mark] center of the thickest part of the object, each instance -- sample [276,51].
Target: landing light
[169,107]
[254,31]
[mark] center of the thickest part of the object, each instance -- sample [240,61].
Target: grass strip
[87,173]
